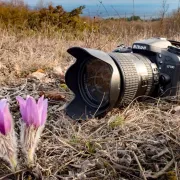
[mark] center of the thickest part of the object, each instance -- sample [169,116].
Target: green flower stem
[14,164]
[30,157]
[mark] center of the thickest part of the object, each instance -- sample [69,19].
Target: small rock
[58,71]
[176,110]
[38,75]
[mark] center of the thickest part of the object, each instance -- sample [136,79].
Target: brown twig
[140,167]
[163,171]
[10,174]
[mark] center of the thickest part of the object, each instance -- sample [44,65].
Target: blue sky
[122,7]
[108,2]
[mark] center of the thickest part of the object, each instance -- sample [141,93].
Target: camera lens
[95,82]
[102,81]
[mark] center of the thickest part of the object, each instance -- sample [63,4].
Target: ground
[140,141]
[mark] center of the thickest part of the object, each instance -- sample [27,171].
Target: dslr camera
[101,81]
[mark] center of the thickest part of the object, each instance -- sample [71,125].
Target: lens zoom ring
[131,78]
[147,63]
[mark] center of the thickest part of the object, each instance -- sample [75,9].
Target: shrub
[20,16]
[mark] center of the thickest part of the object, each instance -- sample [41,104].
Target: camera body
[166,55]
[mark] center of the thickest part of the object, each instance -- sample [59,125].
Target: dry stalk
[140,166]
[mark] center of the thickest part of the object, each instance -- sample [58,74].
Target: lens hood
[78,108]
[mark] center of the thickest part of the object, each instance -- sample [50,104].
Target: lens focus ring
[137,76]
[130,78]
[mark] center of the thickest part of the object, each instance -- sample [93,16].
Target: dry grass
[26,51]
[139,142]
[22,52]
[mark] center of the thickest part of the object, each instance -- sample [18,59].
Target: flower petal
[5,118]
[37,119]
[3,103]
[22,104]
[32,111]
[44,112]
[2,129]
[21,100]
[40,101]
[28,110]
[40,106]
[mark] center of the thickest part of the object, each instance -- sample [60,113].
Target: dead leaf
[53,95]
[40,70]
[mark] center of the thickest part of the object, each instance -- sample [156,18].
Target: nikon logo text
[135,46]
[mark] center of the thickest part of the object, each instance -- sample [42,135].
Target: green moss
[118,121]
[91,147]
[171,175]
[64,87]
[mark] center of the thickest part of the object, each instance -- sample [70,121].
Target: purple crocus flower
[34,116]
[8,145]
[33,113]
[5,118]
